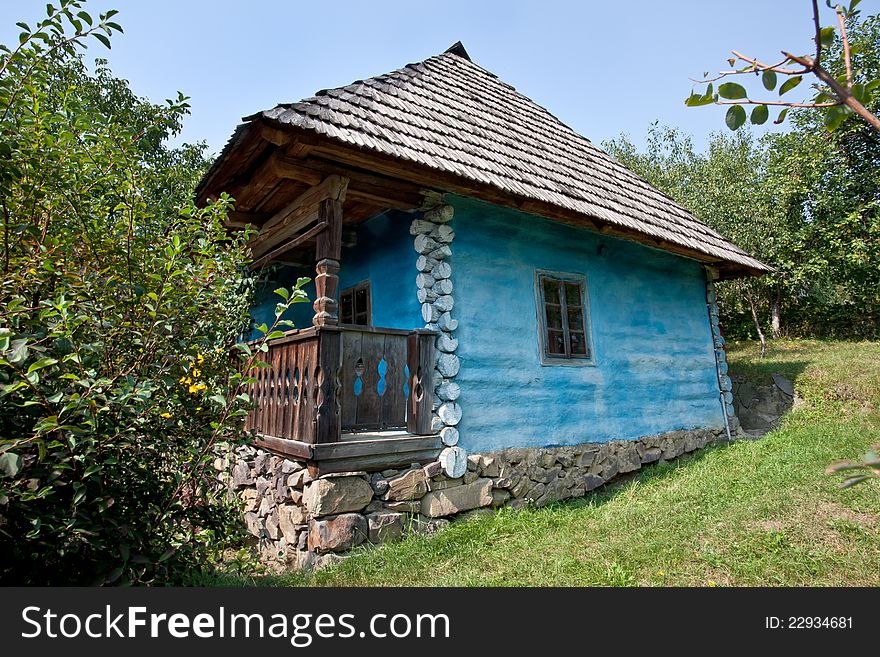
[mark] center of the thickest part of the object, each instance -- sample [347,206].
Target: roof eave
[727,269]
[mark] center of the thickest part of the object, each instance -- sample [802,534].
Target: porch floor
[348,436]
[364,450]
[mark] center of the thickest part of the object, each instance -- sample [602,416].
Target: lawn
[753,513]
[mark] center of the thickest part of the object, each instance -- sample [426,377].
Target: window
[355,306]
[564,318]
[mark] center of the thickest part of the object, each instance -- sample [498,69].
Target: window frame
[353,290]
[543,332]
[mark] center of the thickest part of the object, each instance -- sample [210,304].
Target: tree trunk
[754,310]
[775,317]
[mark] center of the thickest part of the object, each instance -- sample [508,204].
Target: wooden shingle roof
[451,115]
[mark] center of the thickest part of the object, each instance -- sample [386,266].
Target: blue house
[484,277]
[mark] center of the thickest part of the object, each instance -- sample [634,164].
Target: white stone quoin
[724,383]
[433,237]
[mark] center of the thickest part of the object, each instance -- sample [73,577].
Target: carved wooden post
[328,428]
[420,360]
[327,253]
[328,249]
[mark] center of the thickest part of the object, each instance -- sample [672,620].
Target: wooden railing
[321,382]
[284,393]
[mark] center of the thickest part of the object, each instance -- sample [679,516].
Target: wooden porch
[345,398]
[339,397]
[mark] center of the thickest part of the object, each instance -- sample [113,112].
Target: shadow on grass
[759,372]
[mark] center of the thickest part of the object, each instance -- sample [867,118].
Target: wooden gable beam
[275,253]
[333,186]
[379,190]
[276,136]
[298,214]
[248,151]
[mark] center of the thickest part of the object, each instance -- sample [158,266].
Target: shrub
[119,303]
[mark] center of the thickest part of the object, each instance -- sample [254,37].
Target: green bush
[119,304]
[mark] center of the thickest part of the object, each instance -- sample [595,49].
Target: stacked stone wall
[298,522]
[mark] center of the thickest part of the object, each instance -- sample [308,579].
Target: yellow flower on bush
[167,416]
[191,378]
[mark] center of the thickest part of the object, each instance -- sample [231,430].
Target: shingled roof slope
[452,115]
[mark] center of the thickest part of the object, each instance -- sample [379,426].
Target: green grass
[753,513]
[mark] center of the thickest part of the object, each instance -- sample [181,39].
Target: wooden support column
[328,427]
[327,253]
[420,360]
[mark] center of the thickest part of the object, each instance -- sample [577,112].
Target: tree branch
[764,67]
[775,102]
[842,93]
[846,58]
[756,66]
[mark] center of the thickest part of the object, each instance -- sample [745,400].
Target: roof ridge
[457,48]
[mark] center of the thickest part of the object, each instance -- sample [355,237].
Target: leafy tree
[826,185]
[824,189]
[724,189]
[805,202]
[842,87]
[119,304]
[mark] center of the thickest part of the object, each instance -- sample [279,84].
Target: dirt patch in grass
[819,516]
[843,392]
[771,526]
[816,526]
[829,512]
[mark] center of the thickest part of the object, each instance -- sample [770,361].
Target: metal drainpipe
[721,390]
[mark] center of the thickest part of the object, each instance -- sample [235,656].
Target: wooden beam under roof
[278,251]
[309,158]
[297,215]
[425,177]
[250,148]
[380,190]
[279,155]
[235,219]
[274,135]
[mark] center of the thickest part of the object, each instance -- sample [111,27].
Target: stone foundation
[302,523]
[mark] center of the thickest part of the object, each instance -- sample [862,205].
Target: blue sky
[601,67]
